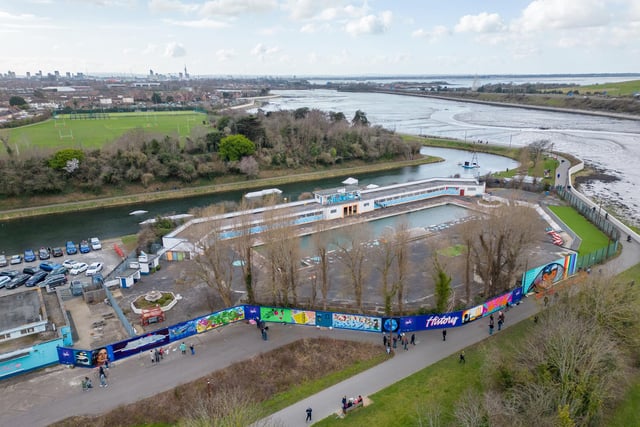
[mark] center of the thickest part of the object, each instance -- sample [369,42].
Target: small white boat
[140,212]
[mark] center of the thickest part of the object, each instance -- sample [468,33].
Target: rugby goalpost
[64,135]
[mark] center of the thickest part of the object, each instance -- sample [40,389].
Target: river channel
[53,230]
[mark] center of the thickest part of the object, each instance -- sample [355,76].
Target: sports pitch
[90,132]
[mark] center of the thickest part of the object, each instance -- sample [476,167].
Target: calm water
[54,230]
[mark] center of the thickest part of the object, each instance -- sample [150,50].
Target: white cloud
[270,31]
[263,52]
[436,33]
[540,15]
[481,23]
[224,55]
[174,50]
[151,49]
[237,7]
[309,9]
[161,6]
[370,24]
[199,23]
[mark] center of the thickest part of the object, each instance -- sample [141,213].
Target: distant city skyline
[320,37]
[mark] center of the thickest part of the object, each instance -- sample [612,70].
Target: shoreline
[503,104]
[183,193]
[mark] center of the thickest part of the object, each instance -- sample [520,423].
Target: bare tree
[467,232]
[214,263]
[384,259]
[470,411]
[243,245]
[321,240]
[500,242]
[353,252]
[537,148]
[402,261]
[442,285]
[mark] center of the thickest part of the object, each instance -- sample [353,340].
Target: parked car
[48,266]
[71,248]
[84,247]
[59,269]
[19,280]
[30,270]
[29,255]
[4,280]
[43,253]
[16,259]
[57,252]
[80,267]
[9,273]
[69,263]
[54,280]
[76,288]
[94,268]
[36,278]
[95,243]
[3,261]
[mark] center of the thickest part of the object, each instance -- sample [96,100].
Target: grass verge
[438,386]
[592,238]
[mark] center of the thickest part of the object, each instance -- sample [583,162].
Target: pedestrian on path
[499,324]
[413,339]
[156,353]
[309,410]
[103,377]
[193,350]
[183,348]
[491,328]
[405,342]
[388,349]
[462,359]
[384,340]
[153,356]
[444,335]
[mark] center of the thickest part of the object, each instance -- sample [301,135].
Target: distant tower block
[186,73]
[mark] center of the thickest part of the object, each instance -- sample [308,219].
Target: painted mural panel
[303,317]
[182,330]
[435,321]
[251,312]
[324,318]
[357,322]
[140,343]
[219,318]
[276,314]
[543,277]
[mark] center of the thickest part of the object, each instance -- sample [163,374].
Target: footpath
[50,395]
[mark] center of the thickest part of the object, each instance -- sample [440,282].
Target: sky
[320,37]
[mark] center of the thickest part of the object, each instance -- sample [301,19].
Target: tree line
[232,144]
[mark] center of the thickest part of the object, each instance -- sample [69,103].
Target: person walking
[156,353]
[384,340]
[193,349]
[413,339]
[405,342]
[309,410]
[499,324]
[491,328]
[444,335]
[462,359]
[103,377]
[152,356]
[183,348]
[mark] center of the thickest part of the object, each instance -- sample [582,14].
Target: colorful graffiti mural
[219,318]
[303,317]
[140,343]
[276,314]
[182,330]
[545,276]
[357,322]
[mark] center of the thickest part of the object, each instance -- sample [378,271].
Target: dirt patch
[264,376]
[594,174]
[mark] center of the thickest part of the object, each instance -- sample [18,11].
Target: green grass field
[63,132]
[592,238]
[627,88]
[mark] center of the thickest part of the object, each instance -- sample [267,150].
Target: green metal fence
[597,257]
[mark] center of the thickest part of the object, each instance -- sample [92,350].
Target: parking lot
[107,256]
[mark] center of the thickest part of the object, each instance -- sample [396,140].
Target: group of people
[500,322]
[350,402]
[87,384]
[401,338]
